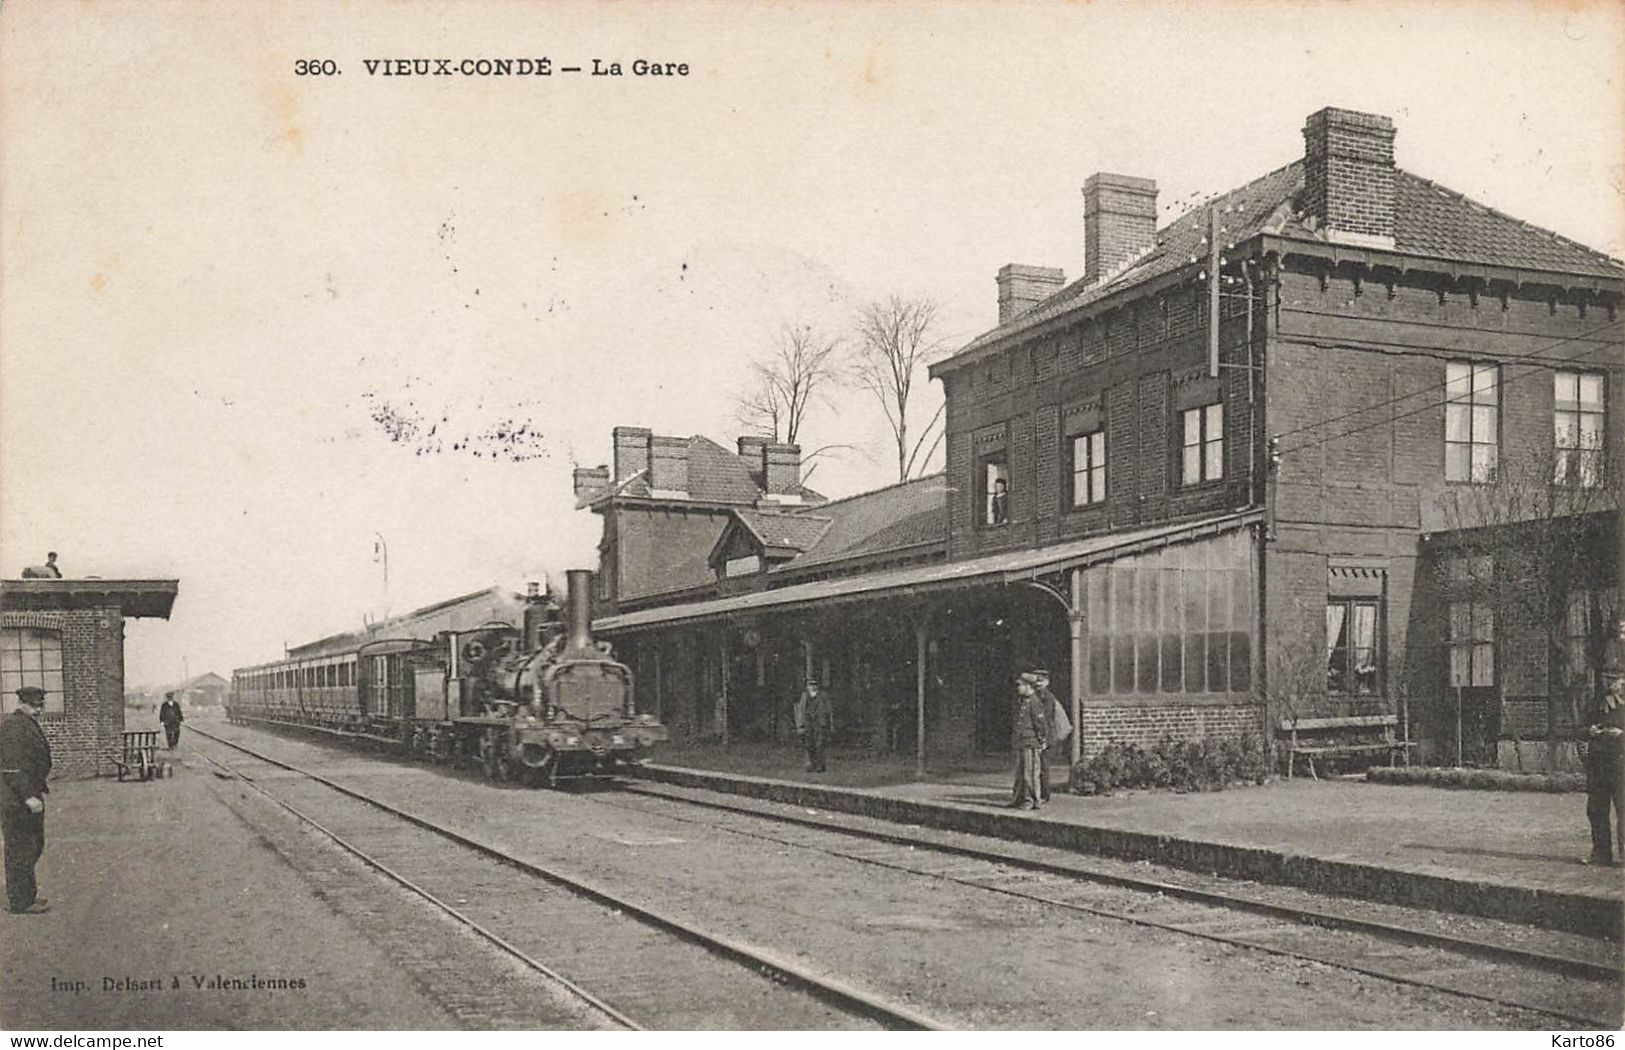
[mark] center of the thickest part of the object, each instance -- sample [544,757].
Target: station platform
[149,930]
[1499,854]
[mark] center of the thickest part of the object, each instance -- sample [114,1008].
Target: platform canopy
[134,598]
[1005,567]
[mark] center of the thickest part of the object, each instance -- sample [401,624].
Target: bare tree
[895,340]
[1531,544]
[784,379]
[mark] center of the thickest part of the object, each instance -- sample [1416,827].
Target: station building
[1297,458]
[67,637]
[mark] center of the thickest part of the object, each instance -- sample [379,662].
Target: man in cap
[169,713]
[1028,736]
[25,762]
[815,722]
[1059,728]
[1605,763]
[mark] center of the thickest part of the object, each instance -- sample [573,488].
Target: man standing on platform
[1605,770]
[169,713]
[1028,737]
[25,762]
[1060,727]
[815,722]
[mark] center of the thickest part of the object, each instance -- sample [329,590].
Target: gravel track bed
[477,986]
[968,956]
[659,980]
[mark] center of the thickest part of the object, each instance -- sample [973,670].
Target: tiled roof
[1429,220]
[718,475]
[903,515]
[776,529]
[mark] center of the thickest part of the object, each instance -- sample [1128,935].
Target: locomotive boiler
[533,703]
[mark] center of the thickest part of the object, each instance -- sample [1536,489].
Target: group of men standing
[1041,723]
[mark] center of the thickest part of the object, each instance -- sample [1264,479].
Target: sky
[257,328]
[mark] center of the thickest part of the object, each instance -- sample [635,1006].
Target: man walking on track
[169,713]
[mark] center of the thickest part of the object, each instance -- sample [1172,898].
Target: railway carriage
[535,702]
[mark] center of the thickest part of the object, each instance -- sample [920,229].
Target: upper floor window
[1577,418]
[1203,451]
[1089,468]
[1472,403]
[994,484]
[31,656]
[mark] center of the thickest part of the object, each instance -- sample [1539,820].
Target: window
[1472,399]
[1089,468]
[1352,647]
[1472,644]
[994,484]
[31,656]
[1584,608]
[1577,418]
[1203,452]
[1170,623]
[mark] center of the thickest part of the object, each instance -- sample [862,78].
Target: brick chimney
[631,451]
[781,469]
[668,464]
[1119,221]
[591,482]
[751,454]
[1021,287]
[1348,175]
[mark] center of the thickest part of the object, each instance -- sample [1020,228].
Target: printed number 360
[315,67]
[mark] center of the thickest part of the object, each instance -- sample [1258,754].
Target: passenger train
[533,704]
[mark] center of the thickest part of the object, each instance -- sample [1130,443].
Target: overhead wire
[1429,407]
[1521,358]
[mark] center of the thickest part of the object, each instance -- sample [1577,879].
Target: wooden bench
[139,758]
[1386,724]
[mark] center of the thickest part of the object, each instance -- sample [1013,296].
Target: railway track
[1578,990]
[631,963]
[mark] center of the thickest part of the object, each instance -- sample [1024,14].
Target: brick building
[1385,353]
[67,637]
[1242,474]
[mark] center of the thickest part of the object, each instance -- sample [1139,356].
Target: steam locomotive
[531,704]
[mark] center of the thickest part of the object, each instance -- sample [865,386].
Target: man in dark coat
[815,722]
[169,713]
[1059,728]
[1605,772]
[25,762]
[1028,737]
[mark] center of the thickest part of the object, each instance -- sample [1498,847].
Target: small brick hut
[67,637]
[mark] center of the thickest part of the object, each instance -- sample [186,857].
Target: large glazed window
[31,656]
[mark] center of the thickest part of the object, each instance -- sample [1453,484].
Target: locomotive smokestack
[579,609]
